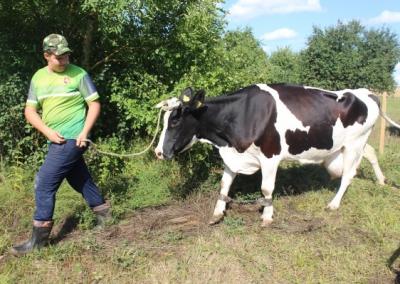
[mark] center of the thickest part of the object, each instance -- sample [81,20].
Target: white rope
[95,146]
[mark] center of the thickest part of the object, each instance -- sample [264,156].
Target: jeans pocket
[56,148]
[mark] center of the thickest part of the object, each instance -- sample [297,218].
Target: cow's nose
[159,154]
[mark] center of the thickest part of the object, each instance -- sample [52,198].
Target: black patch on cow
[352,110]
[241,118]
[330,95]
[318,110]
[269,142]
[300,141]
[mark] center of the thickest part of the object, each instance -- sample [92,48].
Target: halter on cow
[260,125]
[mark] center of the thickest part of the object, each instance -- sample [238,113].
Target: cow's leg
[226,182]
[268,169]
[369,154]
[351,159]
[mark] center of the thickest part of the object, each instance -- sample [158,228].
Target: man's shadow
[390,263]
[67,226]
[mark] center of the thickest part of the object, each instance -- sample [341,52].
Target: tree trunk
[87,43]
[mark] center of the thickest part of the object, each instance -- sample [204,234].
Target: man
[70,107]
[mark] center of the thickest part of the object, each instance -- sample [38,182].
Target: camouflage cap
[56,44]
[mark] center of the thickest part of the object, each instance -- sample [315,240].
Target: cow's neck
[215,121]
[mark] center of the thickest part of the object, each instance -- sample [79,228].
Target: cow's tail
[388,119]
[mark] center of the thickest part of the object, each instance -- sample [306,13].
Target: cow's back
[312,122]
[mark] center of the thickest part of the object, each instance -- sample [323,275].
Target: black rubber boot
[103,215]
[40,238]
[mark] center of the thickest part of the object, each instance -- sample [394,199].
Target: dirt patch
[298,224]
[184,218]
[190,217]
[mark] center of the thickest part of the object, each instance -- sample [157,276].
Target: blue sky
[281,23]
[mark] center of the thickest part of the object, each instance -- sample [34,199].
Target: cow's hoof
[382,182]
[215,219]
[266,223]
[332,206]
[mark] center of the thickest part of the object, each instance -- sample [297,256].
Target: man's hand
[81,140]
[33,118]
[55,137]
[92,114]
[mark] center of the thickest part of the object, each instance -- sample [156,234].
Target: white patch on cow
[159,148]
[169,104]
[226,182]
[202,140]
[242,163]
[285,120]
[334,164]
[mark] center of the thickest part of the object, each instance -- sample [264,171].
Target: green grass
[161,237]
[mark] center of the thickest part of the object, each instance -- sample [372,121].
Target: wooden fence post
[383,125]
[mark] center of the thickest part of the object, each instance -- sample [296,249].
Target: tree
[285,67]
[236,60]
[349,56]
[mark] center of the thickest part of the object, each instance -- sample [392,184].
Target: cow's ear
[198,99]
[186,95]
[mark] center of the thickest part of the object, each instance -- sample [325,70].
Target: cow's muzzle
[159,154]
[162,156]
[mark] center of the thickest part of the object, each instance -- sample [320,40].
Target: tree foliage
[350,56]
[285,67]
[236,60]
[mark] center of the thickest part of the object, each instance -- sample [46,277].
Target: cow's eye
[175,117]
[174,121]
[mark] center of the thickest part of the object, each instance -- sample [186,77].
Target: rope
[95,146]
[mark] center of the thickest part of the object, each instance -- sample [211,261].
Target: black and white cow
[261,125]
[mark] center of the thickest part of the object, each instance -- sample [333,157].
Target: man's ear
[46,56]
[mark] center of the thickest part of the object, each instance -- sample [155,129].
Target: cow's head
[180,123]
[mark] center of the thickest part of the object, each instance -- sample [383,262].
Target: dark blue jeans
[63,161]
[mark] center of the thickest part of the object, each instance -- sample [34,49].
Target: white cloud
[253,8]
[283,33]
[386,17]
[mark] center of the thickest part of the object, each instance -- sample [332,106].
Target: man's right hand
[33,118]
[55,137]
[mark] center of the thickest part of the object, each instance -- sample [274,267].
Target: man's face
[57,63]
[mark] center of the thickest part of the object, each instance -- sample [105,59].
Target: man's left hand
[81,140]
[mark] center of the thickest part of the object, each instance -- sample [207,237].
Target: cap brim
[62,51]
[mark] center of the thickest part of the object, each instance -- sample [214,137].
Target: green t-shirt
[62,98]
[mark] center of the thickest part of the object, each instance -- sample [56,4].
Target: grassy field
[161,237]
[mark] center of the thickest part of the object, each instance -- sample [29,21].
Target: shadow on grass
[393,131]
[390,263]
[291,180]
[116,189]
[119,185]
[199,174]
[68,225]
[196,172]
